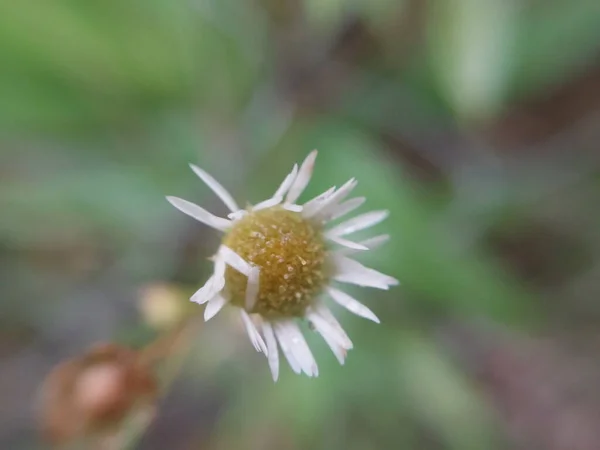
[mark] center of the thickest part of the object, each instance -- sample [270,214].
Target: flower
[277,261]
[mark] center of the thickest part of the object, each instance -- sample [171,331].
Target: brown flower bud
[94,393]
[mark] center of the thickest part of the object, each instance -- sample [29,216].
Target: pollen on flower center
[290,252]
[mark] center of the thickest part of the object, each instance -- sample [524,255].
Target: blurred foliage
[105,103]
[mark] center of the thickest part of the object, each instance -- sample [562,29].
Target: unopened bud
[163,305]
[94,393]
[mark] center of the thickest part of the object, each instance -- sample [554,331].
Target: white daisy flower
[277,261]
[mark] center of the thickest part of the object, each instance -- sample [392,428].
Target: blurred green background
[475,122]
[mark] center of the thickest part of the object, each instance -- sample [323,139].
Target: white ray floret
[286,184]
[273,354]
[217,188]
[252,287]
[289,334]
[285,347]
[206,292]
[338,342]
[326,330]
[376,241]
[213,286]
[353,272]
[199,213]
[313,203]
[234,260]
[253,334]
[301,181]
[371,244]
[281,191]
[351,304]
[339,351]
[269,333]
[345,207]
[357,223]
[237,215]
[326,323]
[348,244]
[325,312]
[331,202]
[214,306]
[269,203]
[291,207]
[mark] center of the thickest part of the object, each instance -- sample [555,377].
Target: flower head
[277,261]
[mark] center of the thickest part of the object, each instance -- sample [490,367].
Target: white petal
[237,215]
[287,183]
[219,275]
[344,208]
[199,213]
[205,293]
[234,260]
[278,196]
[339,351]
[214,306]
[266,204]
[357,223]
[348,244]
[324,312]
[325,207]
[252,287]
[351,304]
[298,346]
[311,204]
[253,334]
[353,272]
[371,243]
[286,349]
[216,187]
[376,241]
[326,325]
[302,179]
[213,285]
[291,207]
[273,355]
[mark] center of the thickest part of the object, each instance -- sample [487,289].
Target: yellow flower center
[290,252]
